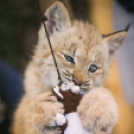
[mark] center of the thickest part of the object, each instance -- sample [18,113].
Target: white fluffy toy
[70,123]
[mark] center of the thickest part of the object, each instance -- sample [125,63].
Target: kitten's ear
[115,41]
[58,17]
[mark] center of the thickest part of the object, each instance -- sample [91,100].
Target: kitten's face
[81,53]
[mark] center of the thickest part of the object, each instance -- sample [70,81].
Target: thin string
[44,18]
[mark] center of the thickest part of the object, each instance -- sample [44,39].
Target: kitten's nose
[76,81]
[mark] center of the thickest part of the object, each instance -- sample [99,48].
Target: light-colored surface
[125,123]
[102,15]
[74,124]
[126,55]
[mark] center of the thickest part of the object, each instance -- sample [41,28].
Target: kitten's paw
[45,108]
[98,111]
[60,119]
[58,131]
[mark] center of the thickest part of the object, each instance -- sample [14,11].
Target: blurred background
[19,24]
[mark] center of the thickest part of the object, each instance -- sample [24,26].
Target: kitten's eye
[92,68]
[69,59]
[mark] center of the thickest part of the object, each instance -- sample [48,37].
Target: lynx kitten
[83,55]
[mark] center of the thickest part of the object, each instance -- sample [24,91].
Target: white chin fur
[72,84]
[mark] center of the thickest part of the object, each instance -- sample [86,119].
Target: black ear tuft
[115,41]
[125,30]
[127,27]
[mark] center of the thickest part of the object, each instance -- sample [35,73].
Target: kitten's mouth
[77,82]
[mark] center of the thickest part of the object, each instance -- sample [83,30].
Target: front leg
[98,110]
[45,108]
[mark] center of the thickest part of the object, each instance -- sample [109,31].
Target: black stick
[44,18]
